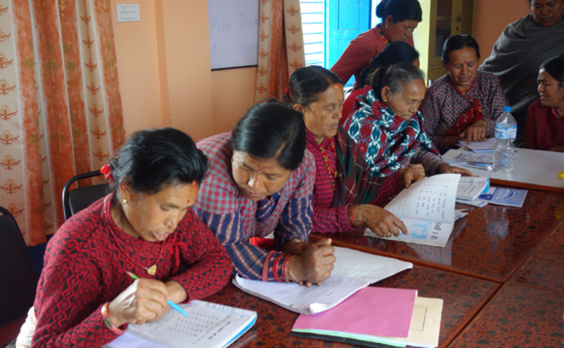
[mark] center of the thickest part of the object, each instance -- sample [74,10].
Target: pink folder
[371,311]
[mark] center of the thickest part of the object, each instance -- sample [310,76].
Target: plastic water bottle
[505,133]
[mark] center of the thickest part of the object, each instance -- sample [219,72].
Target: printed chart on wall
[233,33]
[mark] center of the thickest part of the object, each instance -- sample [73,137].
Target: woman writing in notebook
[545,120]
[145,226]
[345,193]
[260,181]
[386,124]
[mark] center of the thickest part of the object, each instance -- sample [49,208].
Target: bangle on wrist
[350,215]
[266,265]
[285,268]
[275,267]
[108,322]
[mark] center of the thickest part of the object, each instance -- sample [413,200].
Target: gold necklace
[151,270]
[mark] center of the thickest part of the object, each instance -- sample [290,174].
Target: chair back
[81,197]
[18,278]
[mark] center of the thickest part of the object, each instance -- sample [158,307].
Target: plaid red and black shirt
[443,105]
[235,219]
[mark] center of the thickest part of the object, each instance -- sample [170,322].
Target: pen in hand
[170,303]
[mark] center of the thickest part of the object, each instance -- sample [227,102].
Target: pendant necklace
[332,174]
[151,270]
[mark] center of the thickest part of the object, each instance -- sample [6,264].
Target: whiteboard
[233,33]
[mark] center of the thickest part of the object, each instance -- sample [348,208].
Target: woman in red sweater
[85,297]
[399,20]
[545,117]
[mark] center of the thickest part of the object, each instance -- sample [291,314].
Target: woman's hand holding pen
[145,300]
[314,265]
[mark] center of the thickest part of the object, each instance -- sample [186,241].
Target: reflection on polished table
[490,243]
[501,276]
[463,297]
[529,308]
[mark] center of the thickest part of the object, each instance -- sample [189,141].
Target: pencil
[170,303]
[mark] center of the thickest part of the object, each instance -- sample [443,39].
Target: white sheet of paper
[487,145]
[364,266]
[353,271]
[128,340]
[431,199]
[457,156]
[301,299]
[427,210]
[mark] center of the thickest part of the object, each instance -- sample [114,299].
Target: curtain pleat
[281,47]
[60,107]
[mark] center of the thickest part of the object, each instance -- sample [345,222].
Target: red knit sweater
[86,263]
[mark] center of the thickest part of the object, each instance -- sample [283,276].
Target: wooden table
[463,297]
[528,308]
[490,243]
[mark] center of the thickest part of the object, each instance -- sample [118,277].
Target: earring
[386,26]
[124,201]
[385,100]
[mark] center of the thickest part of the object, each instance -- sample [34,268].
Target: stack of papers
[470,188]
[373,315]
[478,146]
[353,271]
[510,197]
[469,159]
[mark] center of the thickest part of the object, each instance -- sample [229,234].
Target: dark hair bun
[400,10]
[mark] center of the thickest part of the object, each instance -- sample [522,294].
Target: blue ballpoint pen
[170,303]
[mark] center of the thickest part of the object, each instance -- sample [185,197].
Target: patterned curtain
[60,107]
[281,47]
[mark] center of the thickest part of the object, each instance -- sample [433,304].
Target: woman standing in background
[399,19]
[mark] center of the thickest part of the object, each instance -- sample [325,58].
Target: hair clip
[107,172]
[287,91]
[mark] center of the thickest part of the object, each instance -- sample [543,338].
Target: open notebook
[427,210]
[207,325]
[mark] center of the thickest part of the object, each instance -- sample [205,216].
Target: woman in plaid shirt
[260,181]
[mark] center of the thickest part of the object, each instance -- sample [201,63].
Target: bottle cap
[507,109]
